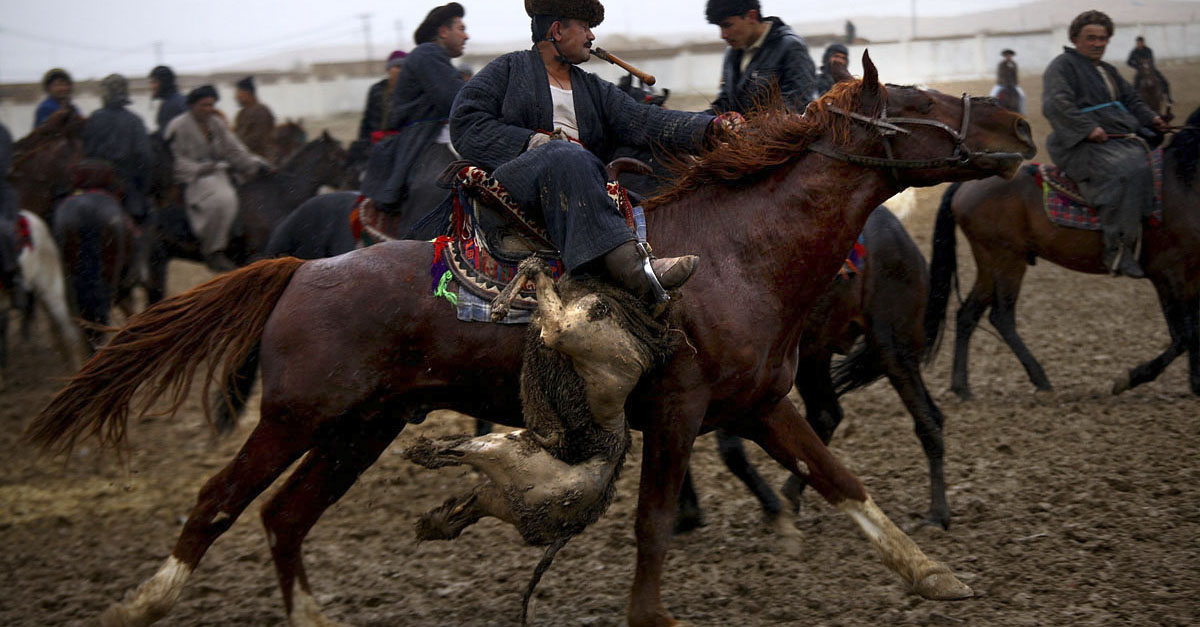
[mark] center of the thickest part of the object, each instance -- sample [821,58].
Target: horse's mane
[774,135]
[1185,148]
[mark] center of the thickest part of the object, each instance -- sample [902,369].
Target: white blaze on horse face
[152,600]
[928,578]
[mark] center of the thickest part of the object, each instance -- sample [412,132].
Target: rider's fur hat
[590,11]
[437,18]
[717,10]
[55,74]
[114,90]
[200,93]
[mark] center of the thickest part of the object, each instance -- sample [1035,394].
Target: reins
[889,127]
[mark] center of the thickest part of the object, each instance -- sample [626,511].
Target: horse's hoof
[963,394]
[1121,384]
[785,528]
[942,586]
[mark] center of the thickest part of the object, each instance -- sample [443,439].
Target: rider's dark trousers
[1117,181]
[565,184]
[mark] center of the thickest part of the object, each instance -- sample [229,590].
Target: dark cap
[200,93]
[437,18]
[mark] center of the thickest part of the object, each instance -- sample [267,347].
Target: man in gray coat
[761,51]
[1096,115]
[420,106]
[502,121]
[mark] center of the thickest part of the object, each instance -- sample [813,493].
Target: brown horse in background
[1152,89]
[355,347]
[1007,227]
[287,139]
[42,161]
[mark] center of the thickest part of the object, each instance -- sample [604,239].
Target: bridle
[888,128]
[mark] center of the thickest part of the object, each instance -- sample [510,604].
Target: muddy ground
[1070,508]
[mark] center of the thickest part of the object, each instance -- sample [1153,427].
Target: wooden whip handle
[648,79]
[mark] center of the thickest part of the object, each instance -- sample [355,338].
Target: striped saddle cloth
[1065,205]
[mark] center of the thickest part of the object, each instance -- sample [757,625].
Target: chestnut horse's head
[929,137]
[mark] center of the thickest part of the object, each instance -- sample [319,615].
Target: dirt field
[1070,508]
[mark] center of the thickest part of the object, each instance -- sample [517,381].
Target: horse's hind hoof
[942,586]
[1122,384]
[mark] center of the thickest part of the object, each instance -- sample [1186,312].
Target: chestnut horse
[1007,227]
[42,161]
[355,346]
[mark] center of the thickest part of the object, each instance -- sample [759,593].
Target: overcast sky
[97,37]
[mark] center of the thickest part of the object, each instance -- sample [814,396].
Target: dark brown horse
[354,347]
[286,140]
[1007,227]
[42,161]
[262,204]
[873,316]
[1152,89]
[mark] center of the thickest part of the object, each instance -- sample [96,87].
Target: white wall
[683,71]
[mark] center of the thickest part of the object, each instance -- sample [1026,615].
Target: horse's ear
[872,93]
[325,135]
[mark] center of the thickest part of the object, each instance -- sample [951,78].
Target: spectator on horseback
[514,117]
[1142,54]
[1096,115]
[420,107]
[254,123]
[162,87]
[834,68]
[1006,79]
[58,85]
[761,51]
[117,136]
[205,151]
[379,98]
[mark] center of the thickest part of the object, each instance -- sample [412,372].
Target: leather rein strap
[889,127]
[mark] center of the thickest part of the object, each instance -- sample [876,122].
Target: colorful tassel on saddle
[439,271]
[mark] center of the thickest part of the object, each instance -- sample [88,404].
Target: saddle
[489,234]
[1065,205]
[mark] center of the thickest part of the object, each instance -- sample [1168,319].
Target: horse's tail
[219,322]
[542,566]
[93,236]
[943,269]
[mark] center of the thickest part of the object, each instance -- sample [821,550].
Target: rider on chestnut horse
[1096,115]
[502,121]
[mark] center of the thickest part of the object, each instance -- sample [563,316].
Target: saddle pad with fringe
[370,225]
[483,271]
[1064,203]
[24,234]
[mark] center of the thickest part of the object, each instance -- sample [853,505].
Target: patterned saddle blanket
[489,235]
[1064,203]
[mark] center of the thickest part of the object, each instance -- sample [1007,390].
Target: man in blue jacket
[58,86]
[420,106]
[503,120]
[163,87]
[761,51]
[116,135]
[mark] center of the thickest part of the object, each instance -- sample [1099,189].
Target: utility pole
[366,24]
[401,40]
[913,27]
[158,52]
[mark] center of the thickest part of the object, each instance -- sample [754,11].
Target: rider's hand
[1159,124]
[1097,135]
[728,122]
[537,139]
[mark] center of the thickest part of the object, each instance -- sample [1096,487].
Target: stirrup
[660,294]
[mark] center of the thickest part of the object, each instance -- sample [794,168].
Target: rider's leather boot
[624,265]
[1128,265]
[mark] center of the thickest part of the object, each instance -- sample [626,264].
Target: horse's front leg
[666,449]
[787,437]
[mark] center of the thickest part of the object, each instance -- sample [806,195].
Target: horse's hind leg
[324,475]
[1182,328]
[267,453]
[967,319]
[1004,318]
[790,440]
